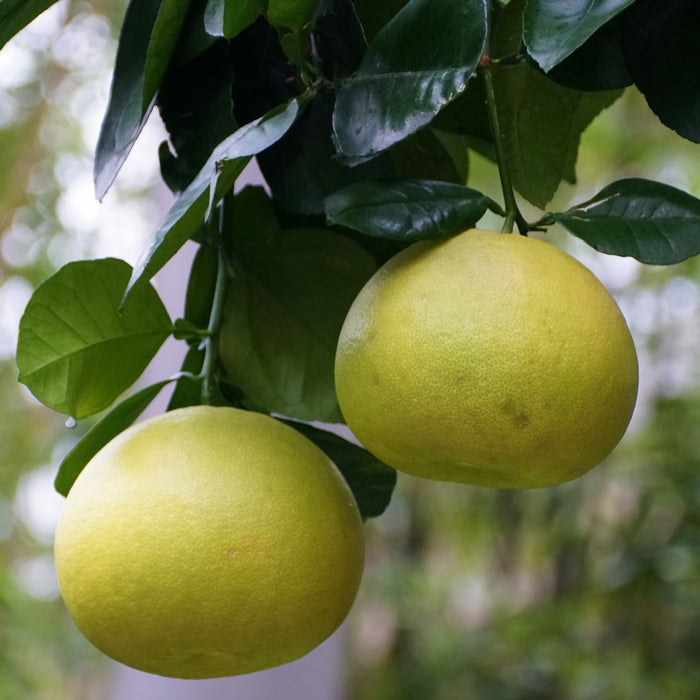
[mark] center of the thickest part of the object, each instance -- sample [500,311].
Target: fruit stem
[513,214]
[217,310]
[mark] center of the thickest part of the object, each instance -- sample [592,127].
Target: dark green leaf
[423,156]
[200,287]
[468,116]
[77,351]
[108,427]
[599,64]
[287,299]
[339,39]
[371,481]
[374,15]
[542,123]
[650,221]
[223,167]
[146,44]
[289,15]
[554,29]
[17,14]
[188,387]
[195,105]
[457,148]
[264,78]
[662,48]
[301,168]
[230,17]
[407,210]
[416,65]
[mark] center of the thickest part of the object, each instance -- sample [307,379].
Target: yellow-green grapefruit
[488,359]
[209,542]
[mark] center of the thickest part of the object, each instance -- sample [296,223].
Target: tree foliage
[362,117]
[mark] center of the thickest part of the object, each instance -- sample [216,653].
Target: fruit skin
[209,542]
[488,359]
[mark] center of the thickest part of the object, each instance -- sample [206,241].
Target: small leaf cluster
[362,117]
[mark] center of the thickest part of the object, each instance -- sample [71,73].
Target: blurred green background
[586,590]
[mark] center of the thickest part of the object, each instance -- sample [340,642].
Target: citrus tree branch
[513,214]
[210,343]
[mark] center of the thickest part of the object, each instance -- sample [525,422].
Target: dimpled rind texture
[489,359]
[209,542]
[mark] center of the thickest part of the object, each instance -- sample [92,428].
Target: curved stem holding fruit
[209,381]
[513,215]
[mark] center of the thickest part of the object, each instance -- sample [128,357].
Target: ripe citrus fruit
[488,359]
[209,542]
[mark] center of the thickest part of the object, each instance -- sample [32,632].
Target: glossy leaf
[147,40]
[287,300]
[650,221]
[223,167]
[371,481]
[407,210]
[77,350]
[17,14]
[108,427]
[228,18]
[599,63]
[311,171]
[468,117]
[662,49]
[554,29]
[417,64]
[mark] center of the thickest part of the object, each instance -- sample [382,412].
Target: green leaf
[301,169]
[194,102]
[228,18]
[289,14]
[287,299]
[77,351]
[599,63]
[554,29]
[340,41]
[649,221]
[188,387]
[200,286]
[407,210]
[17,14]
[371,481]
[542,123]
[456,147]
[223,167]
[417,64]
[108,427]
[148,37]
[374,15]
[663,53]
[423,156]
[469,117]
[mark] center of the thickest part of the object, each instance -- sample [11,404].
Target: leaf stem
[513,214]
[209,380]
